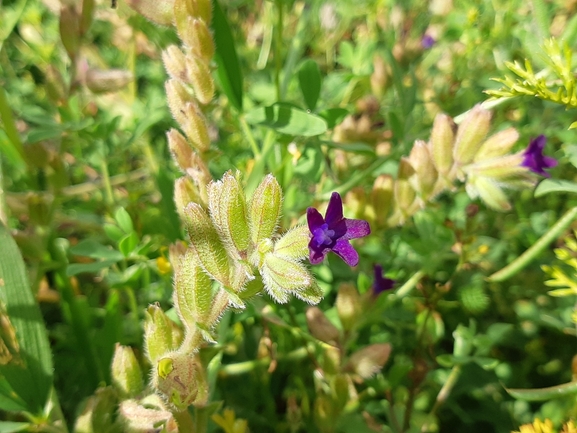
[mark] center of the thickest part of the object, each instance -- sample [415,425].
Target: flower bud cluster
[452,154]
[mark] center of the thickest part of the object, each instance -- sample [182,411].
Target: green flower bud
[138,418]
[126,373]
[159,12]
[197,36]
[157,333]
[185,192]
[470,134]
[369,360]
[405,195]
[112,80]
[175,63]
[227,204]
[312,294]
[294,243]
[196,127]
[426,174]
[489,191]
[180,149]
[95,416]
[194,8]
[207,244]
[321,327]
[499,169]
[70,29]
[442,137]
[497,145]
[265,208]
[282,276]
[177,95]
[200,78]
[192,295]
[348,306]
[382,197]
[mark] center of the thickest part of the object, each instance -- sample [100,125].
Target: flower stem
[524,259]
[406,288]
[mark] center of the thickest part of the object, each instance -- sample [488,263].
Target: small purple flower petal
[427,41]
[332,233]
[381,283]
[346,252]
[534,159]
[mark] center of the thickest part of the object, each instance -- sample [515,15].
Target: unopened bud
[126,373]
[227,204]
[207,244]
[282,276]
[185,192]
[180,149]
[70,29]
[369,360]
[355,200]
[470,134]
[138,418]
[195,126]
[405,195]
[426,174]
[157,333]
[294,243]
[499,169]
[200,78]
[497,145]
[159,12]
[192,8]
[381,197]
[175,63]
[264,209]
[177,96]
[442,137]
[348,306]
[55,87]
[99,81]
[197,36]
[489,191]
[321,327]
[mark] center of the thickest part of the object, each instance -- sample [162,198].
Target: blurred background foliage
[87,191]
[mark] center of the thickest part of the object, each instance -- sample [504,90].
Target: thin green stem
[10,126]
[406,288]
[278,47]
[248,366]
[108,196]
[3,205]
[537,248]
[446,390]
[250,137]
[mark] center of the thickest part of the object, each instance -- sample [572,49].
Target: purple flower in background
[381,283]
[333,232]
[427,41]
[534,159]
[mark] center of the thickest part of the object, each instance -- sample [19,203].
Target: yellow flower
[537,426]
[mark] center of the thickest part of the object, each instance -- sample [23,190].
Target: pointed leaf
[287,120]
[540,394]
[310,82]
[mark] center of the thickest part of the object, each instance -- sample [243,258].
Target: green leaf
[95,250]
[30,379]
[128,243]
[310,82]
[540,394]
[574,124]
[10,427]
[554,185]
[123,219]
[229,72]
[113,232]
[78,268]
[333,116]
[287,120]
[9,401]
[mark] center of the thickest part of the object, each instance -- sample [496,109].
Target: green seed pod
[470,135]
[200,78]
[227,204]
[126,373]
[294,243]
[175,63]
[207,244]
[157,333]
[497,145]
[265,208]
[348,306]
[442,137]
[196,127]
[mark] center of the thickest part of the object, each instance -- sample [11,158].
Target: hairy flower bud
[426,174]
[294,243]
[227,204]
[185,192]
[264,209]
[195,126]
[497,145]
[138,418]
[369,360]
[405,195]
[381,197]
[194,8]
[200,78]
[177,96]
[175,63]
[126,373]
[180,149]
[470,134]
[281,276]
[489,191]
[442,137]
[70,29]
[197,36]
[157,333]
[159,12]
[99,81]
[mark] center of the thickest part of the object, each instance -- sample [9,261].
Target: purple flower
[427,41]
[534,159]
[381,283]
[333,232]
